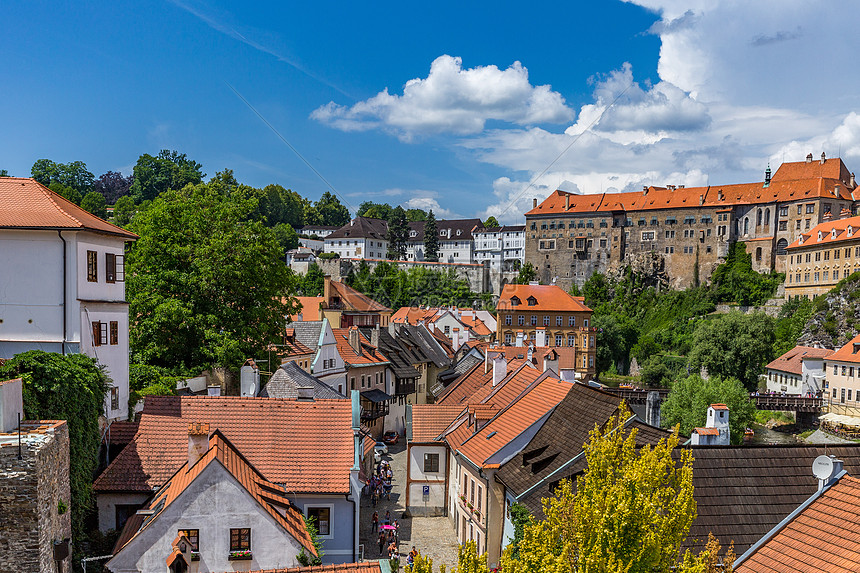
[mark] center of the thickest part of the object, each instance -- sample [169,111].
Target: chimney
[566,202]
[520,337]
[644,189]
[550,362]
[701,199]
[374,336]
[326,289]
[305,393]
[198,442]
[534,203]
[809,158]
[11,404]
[823,158]
[720,195]
[455,339]
[836,190]
[355,339]
[213,390]
[852,181]
[500,368]
[652,409]
[530,352]
[540,339]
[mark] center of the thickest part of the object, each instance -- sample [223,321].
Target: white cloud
[427,201]
[452,100]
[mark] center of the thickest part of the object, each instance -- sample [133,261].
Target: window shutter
[97,338]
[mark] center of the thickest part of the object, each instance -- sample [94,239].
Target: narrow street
[431,536]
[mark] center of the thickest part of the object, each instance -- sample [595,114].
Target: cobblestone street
[432,536]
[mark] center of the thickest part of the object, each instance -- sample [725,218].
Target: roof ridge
[50,196]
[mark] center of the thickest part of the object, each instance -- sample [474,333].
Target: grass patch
[764,416]
[805,434]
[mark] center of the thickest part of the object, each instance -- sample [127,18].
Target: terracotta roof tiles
[27,204]
[792,361]
[848,353]
[550,298]
[430,420]
[370,355]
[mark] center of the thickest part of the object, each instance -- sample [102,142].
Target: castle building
[684,232]
[823,256]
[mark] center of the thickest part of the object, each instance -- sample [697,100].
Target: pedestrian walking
[381,542]
[387,517]
[374,521]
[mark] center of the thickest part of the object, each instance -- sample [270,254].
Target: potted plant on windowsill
[243,555]
[195,556]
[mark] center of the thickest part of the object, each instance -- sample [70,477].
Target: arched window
[746,225]
[758,255]
[780,246]
[766,217]
[758,219]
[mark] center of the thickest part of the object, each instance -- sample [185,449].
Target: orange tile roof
[461,390]
[792,182]
[363,567]
[27,204]
[310,308]
[267,494]
[413,315]
[707,431]
[352,300]
[824,536]
[566,355]
[370,355]
[476,325]
[848,353]
[792,361]
[280,438]
[828,236]
[522,411]
[719,407]
[430,420]
[549,298]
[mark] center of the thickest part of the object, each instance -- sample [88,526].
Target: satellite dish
[822,467]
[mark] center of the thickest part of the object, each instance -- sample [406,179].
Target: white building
[456,243]
[321,231]
[62,283]
[716,431]
[361,238]
[503,247]
[798,371]
[843,374]
[217,513]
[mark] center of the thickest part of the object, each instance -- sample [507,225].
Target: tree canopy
[73,175]
[154,175]
[112,185]
[206,283]
[689,398]
[736,281]
[734,345]
[396,288]
[398,234]
[491,223]
[431,238]
[95,203]
[331,211]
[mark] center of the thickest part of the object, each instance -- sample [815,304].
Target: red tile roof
[707,431]
[121,433]
[566,355]
[27,204]
[792,361]
[430,420]
[476,325]
[370,355]
[352,300]
[848,353]
[549,298]
[830,231]
[280,438]
[267,494]
[413,315]
[310,308]
[792,182]
[824,536]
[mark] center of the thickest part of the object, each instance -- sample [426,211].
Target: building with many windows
[546,316]
[503,248]
[456,244]
[684,232]
[62,283]
[361,238]
[798,371]
[842,371]
[823,256]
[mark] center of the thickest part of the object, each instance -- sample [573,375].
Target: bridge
[763,402]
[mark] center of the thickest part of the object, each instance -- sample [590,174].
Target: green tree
[736,281]
[616,334]
[206,283]
[413,215]
[4,173]
[74,175]
[792,319]
[331,211]
[69,193]
[375,210]
[689,398]
[313,282]
[656,373]
[123,211]
[167,170]
[734,345]
[431,238]
[70,388]
[629,511]
[95,203]
[527,274]
[310,559]
[398,234]
[278,205]
[287,236]
[491,223]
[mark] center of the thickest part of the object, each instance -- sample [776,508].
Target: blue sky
[453,106]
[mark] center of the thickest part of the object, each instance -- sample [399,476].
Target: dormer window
[413,233]
[532,301]
[850,230]
[458,232]
[441,233]
[833,234]
[819,235]
[856,347]
[515,301]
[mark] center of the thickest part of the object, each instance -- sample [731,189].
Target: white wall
[214,503]
[107,503]
[357,248]
[114,357]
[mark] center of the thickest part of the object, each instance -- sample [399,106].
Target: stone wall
[31,490]
[478,276]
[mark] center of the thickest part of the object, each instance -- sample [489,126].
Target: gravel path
[433,536]
[819,437]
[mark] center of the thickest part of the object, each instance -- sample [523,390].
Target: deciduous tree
[123,211]
[95,203]
[491,223]
[74,175]
[167,170]
[331,211]
[689,398]
[206,282]
[112,185]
